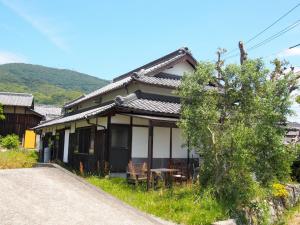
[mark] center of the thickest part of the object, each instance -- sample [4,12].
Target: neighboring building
[19,113]
[49,112]
[293,133]
[132,118]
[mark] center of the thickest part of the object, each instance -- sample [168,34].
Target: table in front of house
[165,174]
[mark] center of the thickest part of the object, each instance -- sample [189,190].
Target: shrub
[18,159]
[10,141]
[279,191]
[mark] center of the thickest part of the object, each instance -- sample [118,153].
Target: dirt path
[295,220]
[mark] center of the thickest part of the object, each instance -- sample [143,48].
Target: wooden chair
[182,175]
[136,173]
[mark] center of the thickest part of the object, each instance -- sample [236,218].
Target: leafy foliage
[48,85]
[2,117]
[10,141]
[233,117]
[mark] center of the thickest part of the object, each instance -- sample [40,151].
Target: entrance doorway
[119,149]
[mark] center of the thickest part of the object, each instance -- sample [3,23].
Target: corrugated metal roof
[16,99]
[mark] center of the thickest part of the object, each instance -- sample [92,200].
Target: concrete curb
[106,195]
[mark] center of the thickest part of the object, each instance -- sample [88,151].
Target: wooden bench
[136,173]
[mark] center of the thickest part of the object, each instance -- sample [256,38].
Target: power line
[274,36]
[268,27]
[269,39]
[294,46]
[280,18]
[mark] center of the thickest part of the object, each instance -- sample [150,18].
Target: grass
[17,159]
[182,205]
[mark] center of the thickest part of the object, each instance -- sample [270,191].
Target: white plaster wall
[17,109]
[140,121]
[8,109]
[179,148]
[121,119]
[82,123]
[139,142]
[20,110]
[73,128]
[38,142]
[102,121]
[194,154]
[161,142]
[66,146]
[180,68]
[156,90]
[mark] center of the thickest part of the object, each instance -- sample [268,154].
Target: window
[84,142]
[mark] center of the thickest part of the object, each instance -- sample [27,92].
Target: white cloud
[42,25]
[290,52]
[9,57]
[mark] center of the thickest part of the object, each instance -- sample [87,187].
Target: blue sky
[108,38]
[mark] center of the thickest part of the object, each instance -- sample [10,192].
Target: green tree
[2,117]
[233,116]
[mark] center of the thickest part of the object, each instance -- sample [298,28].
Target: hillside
[48,85]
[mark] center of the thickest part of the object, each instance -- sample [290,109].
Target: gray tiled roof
[162,62]
[293,125]
[48,111]
[137,102]
[153,106]
[150,103]
[16,99]
[78,116]
[140,74]
[160,81]
[105,89]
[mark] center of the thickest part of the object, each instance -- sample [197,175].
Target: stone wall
[276,207]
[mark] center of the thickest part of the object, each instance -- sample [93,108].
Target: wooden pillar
[130,140]
[171,154]
[107,150]
[150,154]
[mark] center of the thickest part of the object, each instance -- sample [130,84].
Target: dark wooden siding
[18,123]
[91,162]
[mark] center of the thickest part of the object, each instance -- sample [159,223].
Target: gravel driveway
[52,195]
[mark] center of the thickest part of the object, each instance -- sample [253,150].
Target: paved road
[52,196]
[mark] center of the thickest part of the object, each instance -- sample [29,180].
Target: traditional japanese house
[292,133]
[131,119]
[19,114]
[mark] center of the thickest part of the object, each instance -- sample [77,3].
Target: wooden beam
[130,140]
[107,150]
[150,153]
[171,142]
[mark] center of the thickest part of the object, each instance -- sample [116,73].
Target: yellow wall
[29,139]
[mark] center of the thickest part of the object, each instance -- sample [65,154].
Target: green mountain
[48,85]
